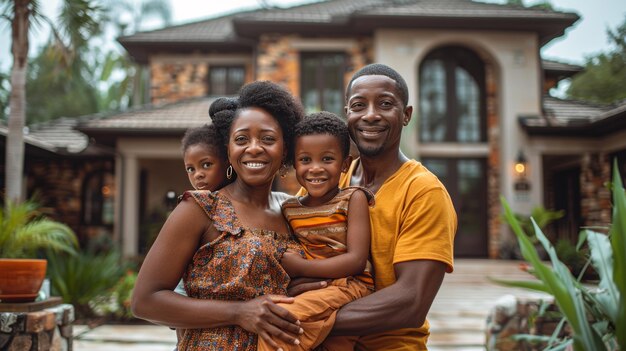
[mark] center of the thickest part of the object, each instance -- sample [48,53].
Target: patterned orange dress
[240,264]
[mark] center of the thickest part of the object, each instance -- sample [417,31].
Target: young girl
[333,227]
[204,155]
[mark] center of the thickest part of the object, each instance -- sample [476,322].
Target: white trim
[322,45]
[457,150]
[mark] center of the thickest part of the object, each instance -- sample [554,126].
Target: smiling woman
[227,245]
[256,147]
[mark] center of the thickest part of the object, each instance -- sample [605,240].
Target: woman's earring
[229,171]
[283,170]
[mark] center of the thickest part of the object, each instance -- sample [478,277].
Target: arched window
[452,107]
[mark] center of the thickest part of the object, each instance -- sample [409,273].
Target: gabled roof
[346,17]
[575,118]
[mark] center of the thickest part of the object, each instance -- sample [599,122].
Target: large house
[484,122]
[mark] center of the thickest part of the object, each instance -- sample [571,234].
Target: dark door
[466,182]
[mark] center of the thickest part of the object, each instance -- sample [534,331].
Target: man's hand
[262,316]
[301,285]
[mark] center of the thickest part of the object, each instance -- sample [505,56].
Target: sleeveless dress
[239,265]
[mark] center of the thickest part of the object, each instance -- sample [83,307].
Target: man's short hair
[378,69]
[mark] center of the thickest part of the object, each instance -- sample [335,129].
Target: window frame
[320,78]
[230,87]
[453,57]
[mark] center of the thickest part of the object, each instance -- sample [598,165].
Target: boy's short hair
[205,135]
[325,123]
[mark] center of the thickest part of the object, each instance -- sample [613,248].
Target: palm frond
[24,231]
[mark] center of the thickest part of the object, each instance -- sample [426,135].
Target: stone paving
[457,316]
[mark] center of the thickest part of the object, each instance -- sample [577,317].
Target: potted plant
[24,234]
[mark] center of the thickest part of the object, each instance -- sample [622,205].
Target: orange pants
[316,310]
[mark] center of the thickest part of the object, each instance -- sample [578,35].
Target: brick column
[493,164]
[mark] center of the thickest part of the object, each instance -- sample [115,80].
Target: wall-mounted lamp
[521,184]
[521,164]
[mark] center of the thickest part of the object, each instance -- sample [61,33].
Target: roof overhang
[359,24]
[142,50]
[610,122]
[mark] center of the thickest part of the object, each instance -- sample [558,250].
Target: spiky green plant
[596,315]
[24,231]
[85,278]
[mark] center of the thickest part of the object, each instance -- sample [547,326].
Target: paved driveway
[457,316]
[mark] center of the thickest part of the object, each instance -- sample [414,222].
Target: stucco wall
[133,156]
[516,65]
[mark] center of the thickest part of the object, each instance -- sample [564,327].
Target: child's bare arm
[357,243]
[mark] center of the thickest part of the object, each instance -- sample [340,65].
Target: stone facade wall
[58,185]
[279,61]
[171,82]
[595,197]
[49,329]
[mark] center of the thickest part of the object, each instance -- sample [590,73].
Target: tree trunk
[17,104]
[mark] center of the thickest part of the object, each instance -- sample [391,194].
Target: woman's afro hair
[325,123]
[268,96]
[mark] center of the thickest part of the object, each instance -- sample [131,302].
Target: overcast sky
[586,37]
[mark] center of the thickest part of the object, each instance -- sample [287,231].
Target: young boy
[333,227]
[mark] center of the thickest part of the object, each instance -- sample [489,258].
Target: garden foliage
[596,315]
[25,232]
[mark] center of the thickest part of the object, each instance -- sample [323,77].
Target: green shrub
[84,278]
[597,315]
[541,216]
[117,303]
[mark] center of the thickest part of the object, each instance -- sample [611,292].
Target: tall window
[322,81]
[452,111]
[226,80]
[452,105]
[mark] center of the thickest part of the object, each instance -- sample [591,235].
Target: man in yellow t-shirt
[413,222]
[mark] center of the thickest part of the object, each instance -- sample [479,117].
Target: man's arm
[403,304]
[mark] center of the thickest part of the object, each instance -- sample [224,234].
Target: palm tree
[77,22]
[129,17]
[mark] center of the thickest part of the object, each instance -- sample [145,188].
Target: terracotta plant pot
[21,279]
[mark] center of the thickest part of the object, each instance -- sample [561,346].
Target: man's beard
[370,151]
